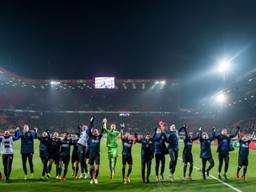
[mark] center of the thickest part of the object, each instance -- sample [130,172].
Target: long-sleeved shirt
[205,145]
[27,141]
[7,144]
[65,147]
[159,140]
[147,148]
[83,139]
[44,146]
[188,141]
[244,148]
[111,137]
[224,141]
[55,146]
[172,138]
[127,146]
[75,148]
[94,141]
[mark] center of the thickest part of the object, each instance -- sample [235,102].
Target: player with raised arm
[187,155]
[224,147]
[27,148]
[83,151]
[147,154]
[44,148]
[127,143]
[54,154]
[243,154]
[205,151]
[65,145]
[172,138]
[160,150]
[75,158]
[7,153]
[112,136]
[94,151]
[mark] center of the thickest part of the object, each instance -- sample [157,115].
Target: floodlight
[163,82]
[54,82]
[221,98]
[223,66]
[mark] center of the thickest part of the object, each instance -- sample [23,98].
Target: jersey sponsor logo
[127,145]
[95,141]
[65,145]
[245,145]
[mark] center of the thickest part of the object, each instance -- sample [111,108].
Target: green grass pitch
[105,184]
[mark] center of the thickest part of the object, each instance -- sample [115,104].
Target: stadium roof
[8,78]
[243,89]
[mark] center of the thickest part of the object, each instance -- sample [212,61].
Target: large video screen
[104,82]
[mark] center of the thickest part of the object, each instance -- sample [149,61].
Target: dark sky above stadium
[128,39]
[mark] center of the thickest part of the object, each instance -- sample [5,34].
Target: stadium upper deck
[127,95]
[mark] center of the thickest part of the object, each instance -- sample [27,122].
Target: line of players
[86,150]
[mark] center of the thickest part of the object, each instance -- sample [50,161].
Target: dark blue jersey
[44,146]
[147,148]
[75,148]
[187,145]
[172,139]
[224,141]
[244,148]
[27,141]
[127,146]
[205,145]
[94,143]
[93,140]
[159,140]
[188,141]
[65,147]
[55,146]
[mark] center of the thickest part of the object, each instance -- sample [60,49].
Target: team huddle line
[86,151]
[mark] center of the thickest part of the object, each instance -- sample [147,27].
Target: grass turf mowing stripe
[215,178]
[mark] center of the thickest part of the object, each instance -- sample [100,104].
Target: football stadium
[127,96]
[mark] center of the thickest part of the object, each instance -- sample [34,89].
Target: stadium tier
[241,102]
[82,95]
[44,102]
[63,104]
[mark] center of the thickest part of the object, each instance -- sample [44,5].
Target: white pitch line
[213,177]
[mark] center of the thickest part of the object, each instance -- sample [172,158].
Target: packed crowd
[69,121]
[86,100]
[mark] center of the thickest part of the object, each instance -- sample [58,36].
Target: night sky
[127,39]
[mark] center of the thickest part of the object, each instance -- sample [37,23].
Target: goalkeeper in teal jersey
[112,136]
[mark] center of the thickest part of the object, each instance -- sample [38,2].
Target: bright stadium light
[163,82]
[157,82]
[54,82]
[221,98]
[223,66]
